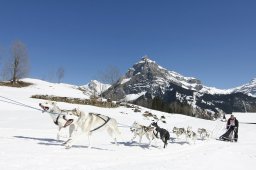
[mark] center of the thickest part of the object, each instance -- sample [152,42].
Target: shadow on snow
[53,142]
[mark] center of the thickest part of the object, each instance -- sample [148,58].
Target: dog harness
[68,122]
[105,122]
[156,134]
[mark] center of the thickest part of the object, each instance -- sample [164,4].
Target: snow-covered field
[28,139]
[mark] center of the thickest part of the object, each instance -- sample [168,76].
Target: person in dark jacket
[232,126]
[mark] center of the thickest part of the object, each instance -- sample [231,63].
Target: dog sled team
[80,122]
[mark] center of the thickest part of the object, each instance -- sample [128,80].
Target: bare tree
[60,74]
[17,66]
[110,75]
[1,53]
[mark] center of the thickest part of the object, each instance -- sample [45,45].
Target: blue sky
[214,41]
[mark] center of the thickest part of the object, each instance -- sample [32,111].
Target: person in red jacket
[232,128]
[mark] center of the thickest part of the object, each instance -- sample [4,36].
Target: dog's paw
[68,146]
[66,142]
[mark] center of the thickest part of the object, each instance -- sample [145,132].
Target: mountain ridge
[158,88]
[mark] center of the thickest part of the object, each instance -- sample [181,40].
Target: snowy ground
[28,140]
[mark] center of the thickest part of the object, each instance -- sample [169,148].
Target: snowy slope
[27,139]
[46,88]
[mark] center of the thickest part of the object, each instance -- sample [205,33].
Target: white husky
[58,116]
[89,123]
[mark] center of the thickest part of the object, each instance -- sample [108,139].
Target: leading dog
[89,123]
[58,116]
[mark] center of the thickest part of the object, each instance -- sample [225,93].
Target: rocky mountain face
[150,85]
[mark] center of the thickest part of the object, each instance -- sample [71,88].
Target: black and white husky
[58,116]
[203,133]
[141,130]
[179,131]
[190,134]
[161,133]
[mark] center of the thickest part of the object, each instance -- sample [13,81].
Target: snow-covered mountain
[147,74]
[153,86]
[249,88]
[94,88]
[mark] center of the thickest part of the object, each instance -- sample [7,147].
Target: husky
[141,130]
[58,116]
[89,123]
[190,134]
[161,133]
[179,131]
[203,133]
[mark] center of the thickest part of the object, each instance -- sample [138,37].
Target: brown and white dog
[141,130]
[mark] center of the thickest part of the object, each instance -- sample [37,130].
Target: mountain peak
[146,69]
[94,87]
[145,59]
[147,76]
[253,81]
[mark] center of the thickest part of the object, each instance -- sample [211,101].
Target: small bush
[16,84]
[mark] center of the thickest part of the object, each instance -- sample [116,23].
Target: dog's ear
[77,109]
[77,112]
